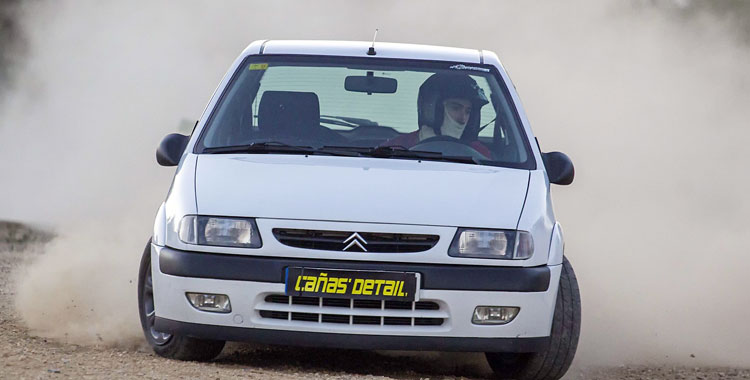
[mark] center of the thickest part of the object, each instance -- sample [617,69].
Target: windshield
[385,108]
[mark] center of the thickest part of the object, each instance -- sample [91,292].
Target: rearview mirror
[370,84]
[171,148]
[559,168]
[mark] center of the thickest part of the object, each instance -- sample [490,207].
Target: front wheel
[164,344]
[554,361]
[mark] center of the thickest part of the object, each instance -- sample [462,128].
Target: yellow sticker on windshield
[258,66]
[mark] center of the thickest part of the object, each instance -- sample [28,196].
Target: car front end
[307,210]
[454,288]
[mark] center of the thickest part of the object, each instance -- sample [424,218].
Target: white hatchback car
[343,194]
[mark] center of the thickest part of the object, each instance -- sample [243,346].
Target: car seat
[294,118]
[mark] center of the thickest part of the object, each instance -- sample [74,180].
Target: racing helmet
[437,88]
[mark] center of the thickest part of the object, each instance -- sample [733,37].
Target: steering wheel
[449,146]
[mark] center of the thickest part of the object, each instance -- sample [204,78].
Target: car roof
[360,49]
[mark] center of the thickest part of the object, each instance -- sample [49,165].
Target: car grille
[351,312]
[367,241]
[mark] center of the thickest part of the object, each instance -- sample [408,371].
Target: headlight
[224,232]
[492,244]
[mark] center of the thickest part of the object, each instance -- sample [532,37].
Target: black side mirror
[171,148]
[559,168]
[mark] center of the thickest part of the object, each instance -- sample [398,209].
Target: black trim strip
[351,341]
[434,276]
[262,47]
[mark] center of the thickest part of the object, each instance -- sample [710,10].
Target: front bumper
[457,290]
[351,341]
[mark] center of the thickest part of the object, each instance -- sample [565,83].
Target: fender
[556,246]
[160,227]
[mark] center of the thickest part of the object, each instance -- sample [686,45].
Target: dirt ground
[24,356]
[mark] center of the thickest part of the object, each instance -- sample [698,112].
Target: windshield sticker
[258,66]
[472,68]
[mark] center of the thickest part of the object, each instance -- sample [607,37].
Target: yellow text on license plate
[340,285]
[351,284]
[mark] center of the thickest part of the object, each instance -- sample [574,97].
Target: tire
[554,361]
[168,345]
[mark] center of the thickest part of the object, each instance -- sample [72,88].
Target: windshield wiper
[400,151]
[403,152]
[349,151]
[278,147]
[461,159]
[261,147]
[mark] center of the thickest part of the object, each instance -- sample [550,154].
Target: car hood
[359,189]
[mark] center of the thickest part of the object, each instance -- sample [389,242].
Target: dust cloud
[649,103]
[11,41]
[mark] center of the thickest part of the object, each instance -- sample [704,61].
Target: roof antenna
[371,50]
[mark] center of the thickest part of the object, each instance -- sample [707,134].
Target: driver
[447,105]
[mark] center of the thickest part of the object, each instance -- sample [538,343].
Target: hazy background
[649,98]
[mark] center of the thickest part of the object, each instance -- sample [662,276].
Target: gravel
[25,356]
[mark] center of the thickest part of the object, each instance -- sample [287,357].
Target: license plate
[332,283]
